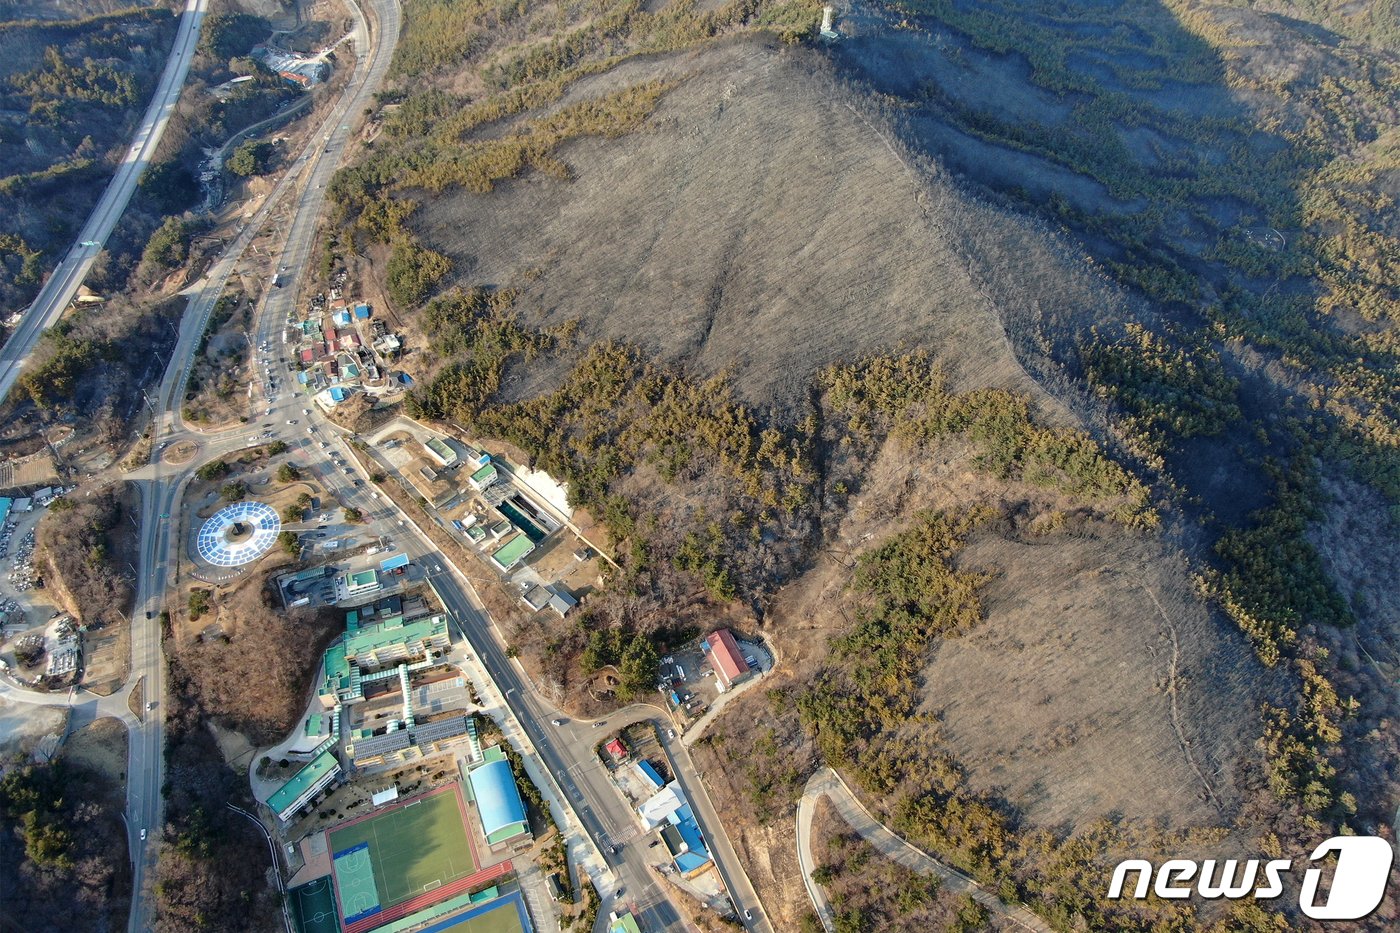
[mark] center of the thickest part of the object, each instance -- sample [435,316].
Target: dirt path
[827,782]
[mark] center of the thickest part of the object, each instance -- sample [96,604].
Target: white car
[143,835]
[291,421]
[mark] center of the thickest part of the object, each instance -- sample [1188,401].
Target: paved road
[63,284]
[827,783]
[162,486]
[568,752]
[581,777]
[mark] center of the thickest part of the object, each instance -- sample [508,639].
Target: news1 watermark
[1358,883]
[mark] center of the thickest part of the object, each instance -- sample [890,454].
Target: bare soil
[102,746]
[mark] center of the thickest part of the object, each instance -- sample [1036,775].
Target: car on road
[143,835]
[149,613]
[151,705]
[306,411]
[600,724]
[748,915]
[557,722]
[291,421]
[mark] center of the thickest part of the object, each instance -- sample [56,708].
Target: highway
[68,275]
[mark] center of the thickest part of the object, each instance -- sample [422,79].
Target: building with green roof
[513,551]
[358,584]
[484,477]
[365,650]
[440,451]
[623,923]
[314,776]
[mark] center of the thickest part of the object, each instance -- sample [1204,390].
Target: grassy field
[411,847]
[501,916]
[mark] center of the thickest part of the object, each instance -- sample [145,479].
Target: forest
[63,852]
[1221,171]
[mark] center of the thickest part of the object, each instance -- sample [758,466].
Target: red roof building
[616,749]
[726,659]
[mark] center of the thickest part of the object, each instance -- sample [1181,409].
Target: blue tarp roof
[497,799]
[362,311]
[393,563]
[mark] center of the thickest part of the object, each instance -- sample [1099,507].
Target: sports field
[503,915]
[389,857]
[313,906]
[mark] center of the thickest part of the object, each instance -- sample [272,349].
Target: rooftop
[317,768]
[725,657]
[362,578]
[498,800]
[513,551]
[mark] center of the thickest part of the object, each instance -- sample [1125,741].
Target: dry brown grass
[755,225]
[100,746]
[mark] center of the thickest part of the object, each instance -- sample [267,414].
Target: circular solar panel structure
[238,534]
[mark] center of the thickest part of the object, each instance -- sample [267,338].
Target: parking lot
[17,541]
[687,679]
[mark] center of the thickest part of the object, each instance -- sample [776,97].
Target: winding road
[827,783]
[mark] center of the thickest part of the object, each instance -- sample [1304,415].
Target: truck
[277,280]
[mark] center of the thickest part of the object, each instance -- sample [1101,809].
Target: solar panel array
[441,729]
[213,543]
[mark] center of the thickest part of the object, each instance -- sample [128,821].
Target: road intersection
[566,755]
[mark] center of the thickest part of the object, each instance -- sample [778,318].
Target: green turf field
[411,849]
[313,906]
[502,916]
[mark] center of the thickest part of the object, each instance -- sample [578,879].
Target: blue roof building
[498,799]
[650,774]
[362,312]
[390,564]
[684,842]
